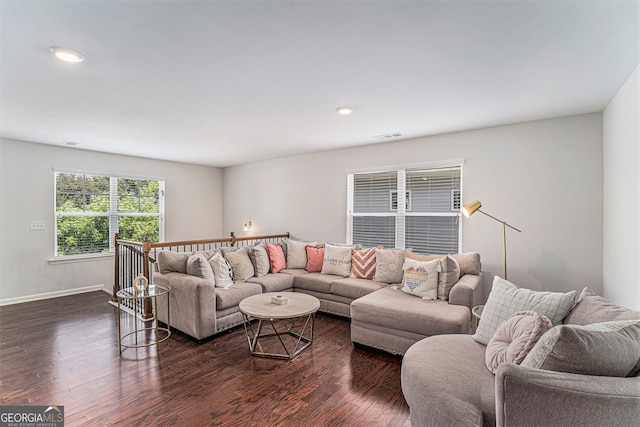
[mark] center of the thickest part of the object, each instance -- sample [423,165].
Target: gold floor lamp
[474,206]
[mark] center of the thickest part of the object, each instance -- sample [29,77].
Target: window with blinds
[91,209]
[416,208]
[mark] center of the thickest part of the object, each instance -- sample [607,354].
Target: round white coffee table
[288,326]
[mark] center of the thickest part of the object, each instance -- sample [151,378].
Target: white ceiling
[228,82]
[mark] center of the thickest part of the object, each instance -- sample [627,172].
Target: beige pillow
[172,262]
[241,264]
[448,275]
[389,265]
[197,265]
[515,338]
[418,257]
[610,349]
[260,259]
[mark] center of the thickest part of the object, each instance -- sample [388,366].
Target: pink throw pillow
[315,257]
[276,258]
[515,338]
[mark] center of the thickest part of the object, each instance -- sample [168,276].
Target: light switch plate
[37,225]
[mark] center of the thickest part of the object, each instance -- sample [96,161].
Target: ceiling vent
[71,143]
[388,136]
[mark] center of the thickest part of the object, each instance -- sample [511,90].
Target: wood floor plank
[64,351]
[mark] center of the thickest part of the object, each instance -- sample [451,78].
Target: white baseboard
[56,294]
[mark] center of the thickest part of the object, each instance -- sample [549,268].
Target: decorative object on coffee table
[291,323]
[474,206]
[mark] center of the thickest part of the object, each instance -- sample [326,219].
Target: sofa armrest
[467,291]
[192,302]
[527,396]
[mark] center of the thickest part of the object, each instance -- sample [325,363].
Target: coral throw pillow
[276,258]
[315,256]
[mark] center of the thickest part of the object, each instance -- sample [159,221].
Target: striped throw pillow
[363,263]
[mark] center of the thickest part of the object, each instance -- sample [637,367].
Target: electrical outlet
[37,225]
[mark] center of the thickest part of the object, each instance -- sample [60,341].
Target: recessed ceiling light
[70,143]
[344,110]
[67,55]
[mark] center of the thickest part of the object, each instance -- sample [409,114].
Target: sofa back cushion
[592,308]
[197,265]
[506,299]
[172,262]
[469,262]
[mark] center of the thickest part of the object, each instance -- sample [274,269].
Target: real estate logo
[31,416]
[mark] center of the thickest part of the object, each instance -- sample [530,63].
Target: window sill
[80,258]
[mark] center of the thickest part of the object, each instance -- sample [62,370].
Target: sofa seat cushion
[354,288]
[274,282]
[232,296]
[316,282]
[395,309]
[294,271]
[446,383]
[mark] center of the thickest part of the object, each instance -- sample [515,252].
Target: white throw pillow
[297,254]
[506,299]
[420,278]
[337,260]
[222,271]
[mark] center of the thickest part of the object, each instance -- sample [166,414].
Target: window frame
[402,212]
[112,213]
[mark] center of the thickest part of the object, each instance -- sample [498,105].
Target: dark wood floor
[64,351]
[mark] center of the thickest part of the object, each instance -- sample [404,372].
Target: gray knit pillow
[389,265]
[506,299]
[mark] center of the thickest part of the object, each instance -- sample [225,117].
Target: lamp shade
[471,207]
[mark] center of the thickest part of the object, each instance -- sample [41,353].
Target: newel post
[146,248]
[116,275]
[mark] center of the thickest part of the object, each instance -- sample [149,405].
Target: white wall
[193,210]
[621,238]
[543,177]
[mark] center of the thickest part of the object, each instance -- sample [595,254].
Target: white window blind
[91,209]
[416,208]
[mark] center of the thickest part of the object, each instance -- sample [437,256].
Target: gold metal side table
[477,313]
[153,292]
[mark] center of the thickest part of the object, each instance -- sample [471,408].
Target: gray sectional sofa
[588,376]
[382,315]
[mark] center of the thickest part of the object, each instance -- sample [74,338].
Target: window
[417,207]
[91,209]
